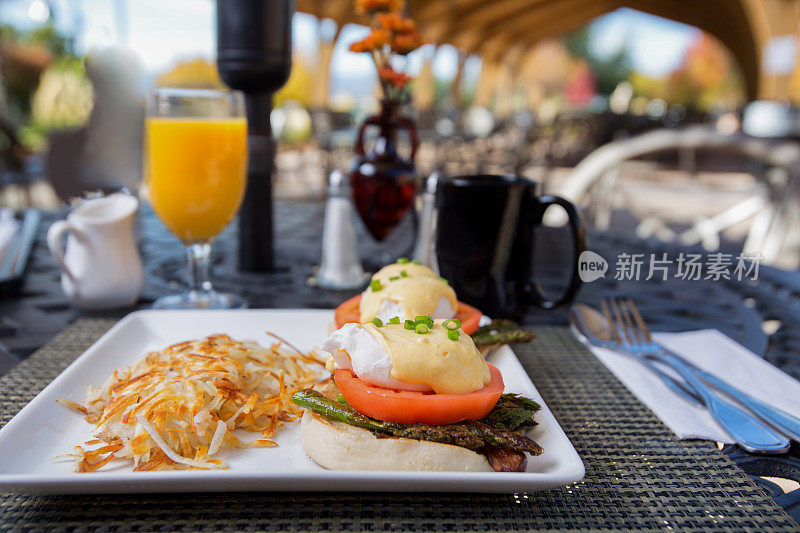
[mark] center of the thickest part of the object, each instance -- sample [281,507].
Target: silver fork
[751,434]
[784,422]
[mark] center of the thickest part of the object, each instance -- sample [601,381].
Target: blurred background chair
[768,213]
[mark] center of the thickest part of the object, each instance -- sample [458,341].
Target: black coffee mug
[485,237]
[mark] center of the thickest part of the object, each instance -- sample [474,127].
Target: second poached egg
[407,290]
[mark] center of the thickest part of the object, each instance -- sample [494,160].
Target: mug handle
[54,235]
[536,293]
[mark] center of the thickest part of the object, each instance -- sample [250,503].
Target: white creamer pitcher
[101,268]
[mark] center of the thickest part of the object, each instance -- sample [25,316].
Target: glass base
[200,300]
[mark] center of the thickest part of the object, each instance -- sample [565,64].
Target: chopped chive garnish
[453,324]
[377,321]
[416,262]
[392,278]
[444,279]
[421,329]
[403,274]
[394,320]
[410,324]
[375,285]
[452,334]
[424,319]
[402,261]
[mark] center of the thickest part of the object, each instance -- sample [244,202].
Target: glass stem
[199,256]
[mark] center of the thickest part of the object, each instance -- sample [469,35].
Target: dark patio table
[638,473]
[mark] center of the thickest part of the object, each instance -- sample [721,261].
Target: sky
[656,45]
[164,32]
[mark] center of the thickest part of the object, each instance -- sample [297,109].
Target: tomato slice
[347,312]
[409,407]
[469,316]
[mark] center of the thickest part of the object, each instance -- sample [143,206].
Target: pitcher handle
[370,121]
[412,134]
[54,235]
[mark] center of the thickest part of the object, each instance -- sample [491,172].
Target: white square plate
[45,429]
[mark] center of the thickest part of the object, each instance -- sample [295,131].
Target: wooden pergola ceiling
[491,28]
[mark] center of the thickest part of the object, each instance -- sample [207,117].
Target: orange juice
[196,173]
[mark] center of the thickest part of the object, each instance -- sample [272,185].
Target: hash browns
[177,408]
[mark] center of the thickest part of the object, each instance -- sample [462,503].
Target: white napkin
[8,228]
[716,353]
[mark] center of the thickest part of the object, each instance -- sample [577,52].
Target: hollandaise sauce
[418,296]
[403,270]
[447,364]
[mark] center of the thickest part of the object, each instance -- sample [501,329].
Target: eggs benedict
[413,395]
[407,289]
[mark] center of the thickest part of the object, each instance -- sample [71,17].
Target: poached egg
[397,358]
[407,290]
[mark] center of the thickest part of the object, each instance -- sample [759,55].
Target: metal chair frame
[775,228]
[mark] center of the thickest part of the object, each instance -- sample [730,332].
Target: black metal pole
[254,45]
[256,251]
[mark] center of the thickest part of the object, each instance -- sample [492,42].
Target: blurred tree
[25,57]
[707,79]
[441,90]
[202,74]
[63,100]
[192,74]
[549,66]
[608,73]
[581,85]
[706,63]
[298,86]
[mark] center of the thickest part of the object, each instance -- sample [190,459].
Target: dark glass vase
[383,181]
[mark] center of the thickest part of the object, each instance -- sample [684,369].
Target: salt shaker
[425,248]
[340,267]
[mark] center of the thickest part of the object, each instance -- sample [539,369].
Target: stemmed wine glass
[195,171]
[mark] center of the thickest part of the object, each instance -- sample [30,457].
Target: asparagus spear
[501,332]
[340,412]
[471,435]
[506,439]
[512,412]
[498,324]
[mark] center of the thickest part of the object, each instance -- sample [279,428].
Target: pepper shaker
[425,248]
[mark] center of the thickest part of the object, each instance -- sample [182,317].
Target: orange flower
[360,46]
[395,23]
[377,38]
[392,34]
[380,37]
[373,6]
[405,43]
[398,79]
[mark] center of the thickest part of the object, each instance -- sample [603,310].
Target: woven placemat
[637,474]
